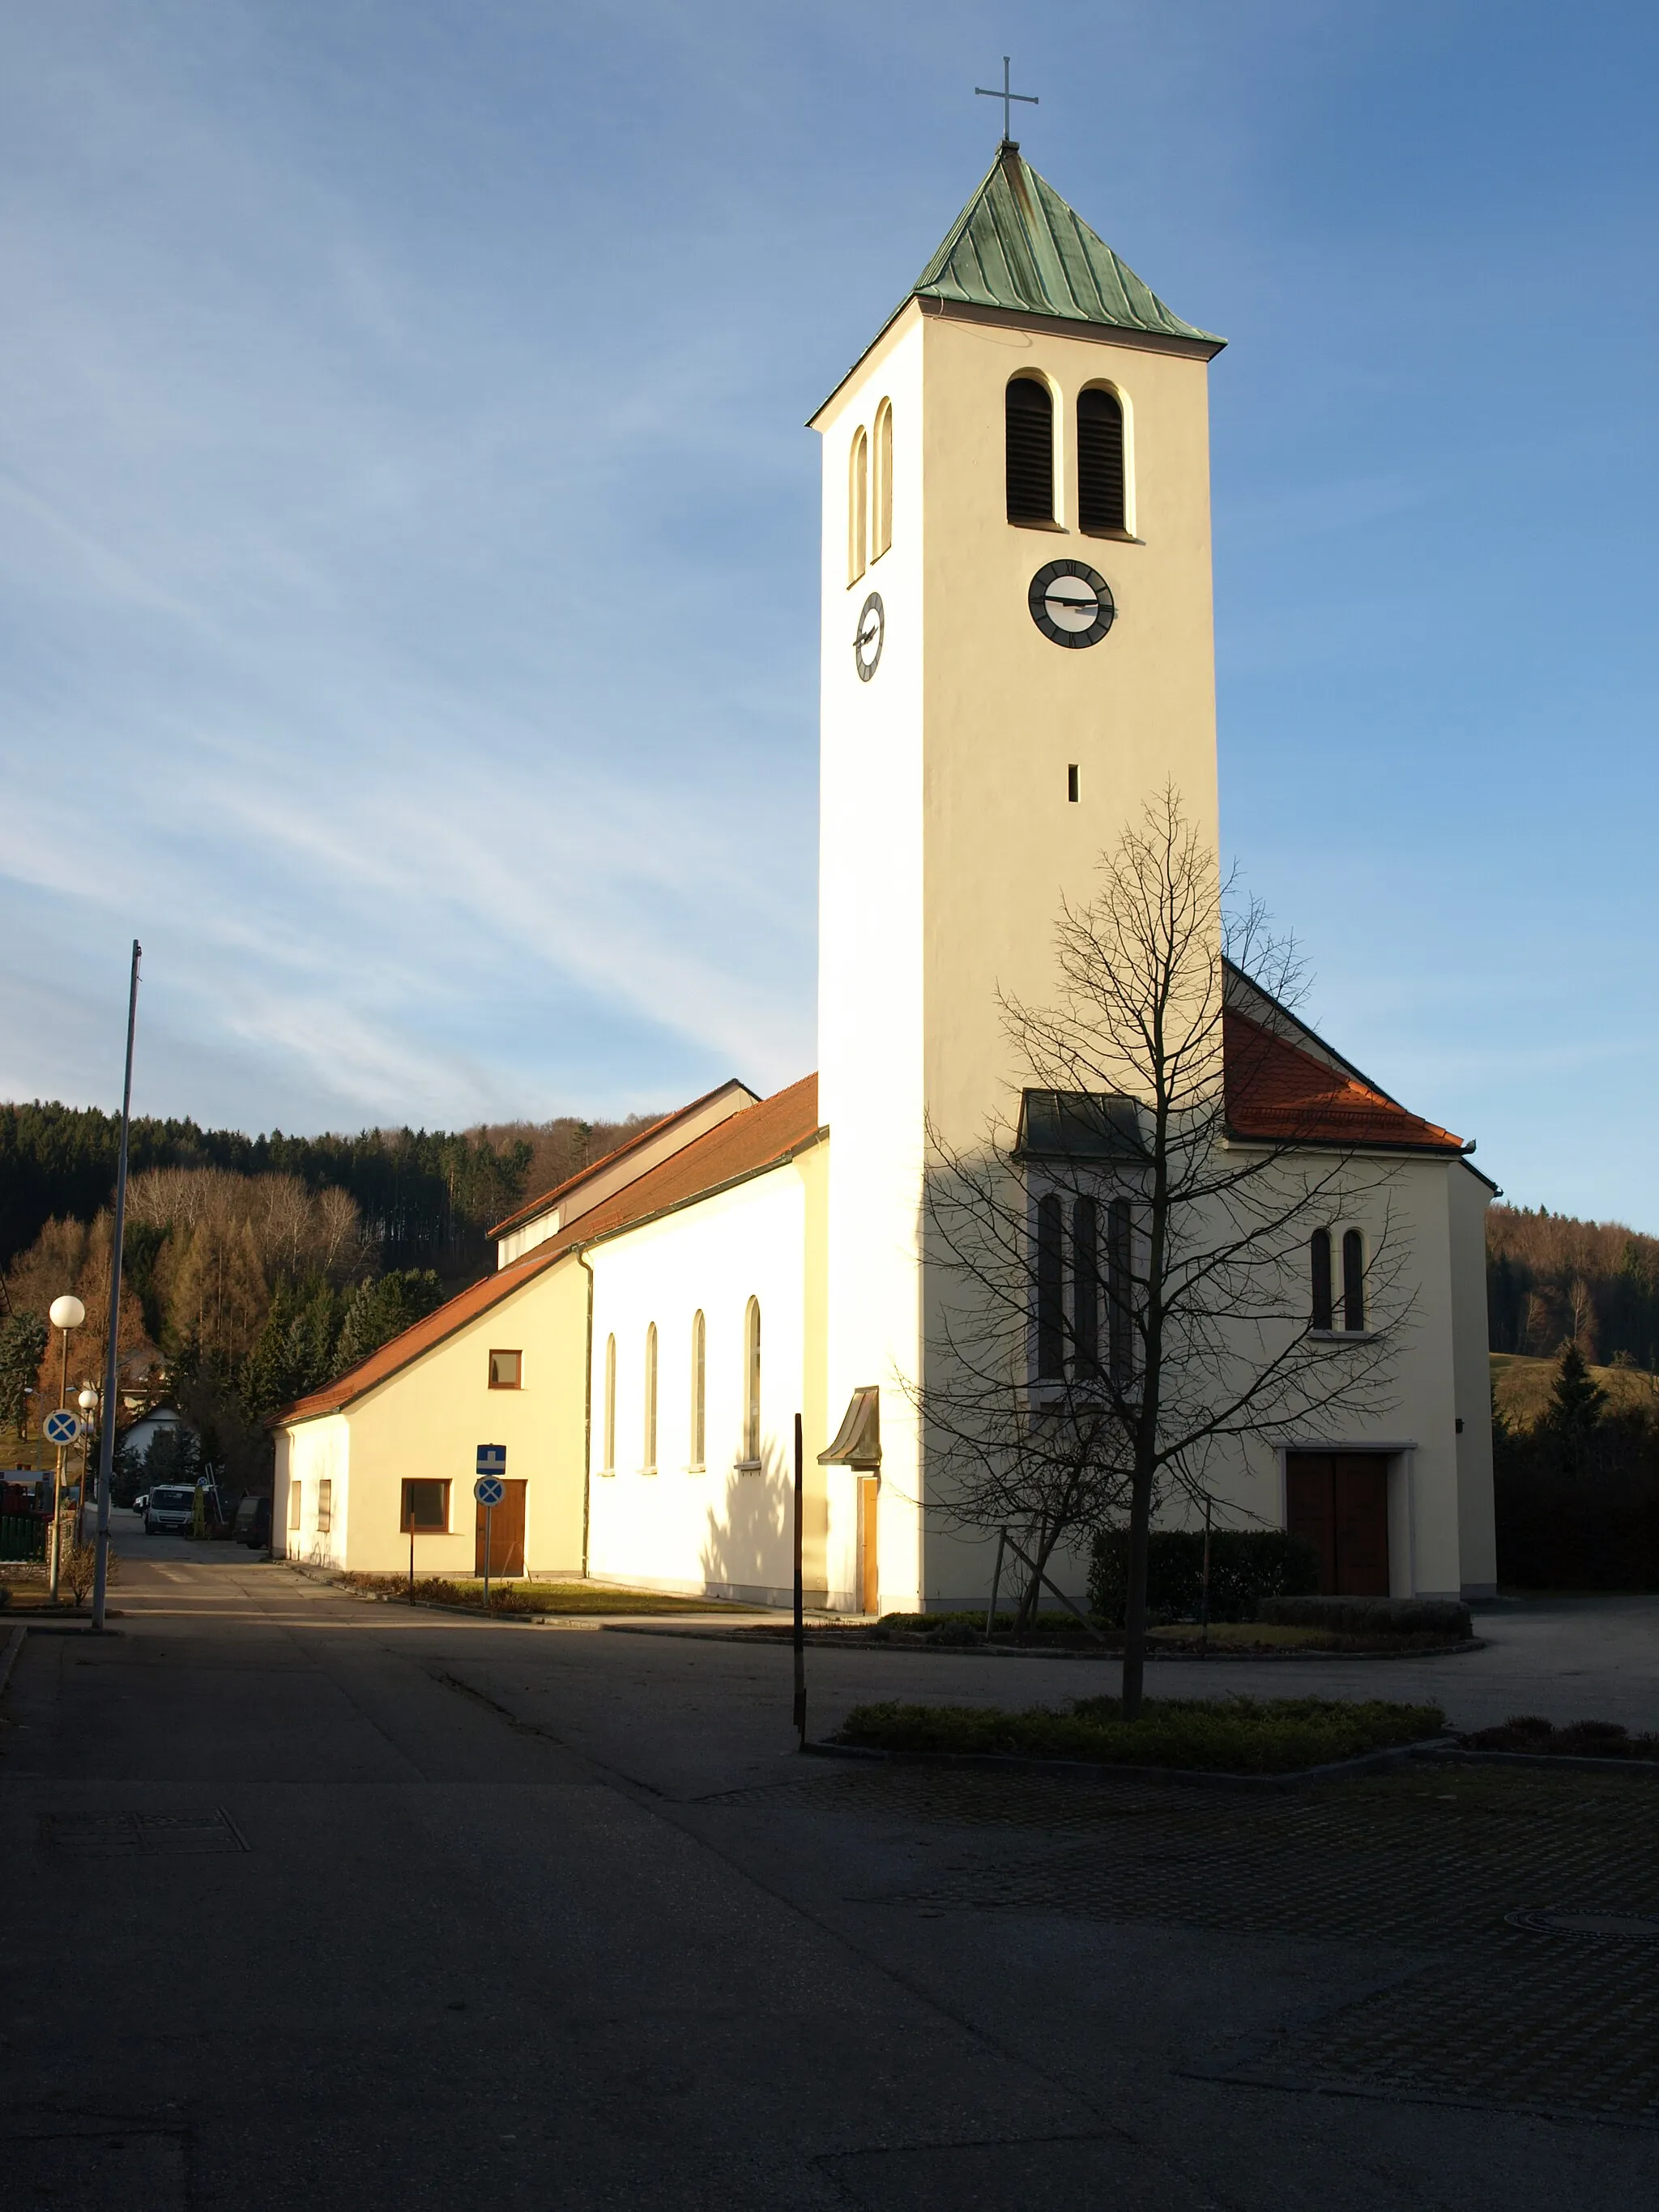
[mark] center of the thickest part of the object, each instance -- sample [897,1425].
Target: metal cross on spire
[1007,97]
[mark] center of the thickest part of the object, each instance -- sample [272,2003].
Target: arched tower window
[699,1388]
[1029,450]
[1319,1257]
[882,505]
[1050,1288]
[649,1424]
[1086,1286]
[610,1405]
[1101,502]
[858,507]
[751,1381]
[1353,1279]
[1120,1294]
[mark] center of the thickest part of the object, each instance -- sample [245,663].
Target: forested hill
[426,1197]
[1552,1279]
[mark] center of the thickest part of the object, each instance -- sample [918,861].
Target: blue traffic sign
[61,1428]
[492,1459]
[490,1490]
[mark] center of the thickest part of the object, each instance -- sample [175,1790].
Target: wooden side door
[1361,1514]
[1310,1509]
[506,1534]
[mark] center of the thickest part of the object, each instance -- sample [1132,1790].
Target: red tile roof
[759,1138]
[1278,1091]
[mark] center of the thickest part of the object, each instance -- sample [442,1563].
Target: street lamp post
[106,1431]
[65,1313]
[88,1401]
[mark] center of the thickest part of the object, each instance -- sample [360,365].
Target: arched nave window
[1353,1279]
[1101,502]
[699,1388]
[1085,1287]
[649,1461]
[1319,1257]
[1120,1293]
[1030,429]
[882,535]
[858,507]
[751,1382]
[609,1405]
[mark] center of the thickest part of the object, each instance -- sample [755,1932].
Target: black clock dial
[868,637]
[1071,605]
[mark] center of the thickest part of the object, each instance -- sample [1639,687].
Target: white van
[173,1505]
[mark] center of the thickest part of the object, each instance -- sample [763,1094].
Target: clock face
[868,636]
[1071,605]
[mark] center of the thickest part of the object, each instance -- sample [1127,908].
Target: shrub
[1246,1566]
[1241,1735]
[1372,1616]
[77,1568]
[1577,1740]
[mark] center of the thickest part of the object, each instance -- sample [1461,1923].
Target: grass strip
[1234,1736]
[573,1597]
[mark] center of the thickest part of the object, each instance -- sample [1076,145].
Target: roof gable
[1281,1093]
[1017,245]
[762,1136]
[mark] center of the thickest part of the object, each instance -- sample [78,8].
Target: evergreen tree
[1575,1408]
[22,1347]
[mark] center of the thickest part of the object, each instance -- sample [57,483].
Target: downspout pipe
[587,1411]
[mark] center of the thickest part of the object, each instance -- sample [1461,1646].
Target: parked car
[169,1505]
[141,1501]
[252,1524]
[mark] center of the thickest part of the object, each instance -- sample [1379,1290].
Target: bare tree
[1122,1269]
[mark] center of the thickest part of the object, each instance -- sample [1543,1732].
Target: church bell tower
[1017,655]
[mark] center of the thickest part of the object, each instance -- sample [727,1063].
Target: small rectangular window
[506,1369]
[1071,783]
[324,1506]
[426,1508]
[293,1495]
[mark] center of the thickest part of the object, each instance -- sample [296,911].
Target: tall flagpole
[106,1428]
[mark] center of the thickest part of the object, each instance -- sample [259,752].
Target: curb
[1455,1755]
[9,1657]
[1080,1770]
[854,1639]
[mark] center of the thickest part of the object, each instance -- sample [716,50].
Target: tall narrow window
[1031,450]
[1120,1293]
[324,1506]
[1085,1285]
[882,534]
[699,1389]
[1353,1279]
[858,507]
[1050,1288]
[649,1424]
[293,1490]
[610,1405]
[1319,1257]
[752,1382]
[1100,500]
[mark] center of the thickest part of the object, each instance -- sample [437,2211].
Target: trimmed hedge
[1239,1735]
[1372,1616]
[1247,1565]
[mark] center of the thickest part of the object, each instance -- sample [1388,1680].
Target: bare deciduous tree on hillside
[1125,1271]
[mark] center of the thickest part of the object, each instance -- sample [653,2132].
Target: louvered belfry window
[1031,450]
[1050,1288]
[1100,501]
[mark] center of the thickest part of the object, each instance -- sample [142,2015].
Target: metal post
[411,1551]
[488,1511]
[58,1479]
[106,1433]
[800,1617]
[996,1581]
[1204,1607]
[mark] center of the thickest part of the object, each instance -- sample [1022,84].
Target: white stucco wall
[719,1529]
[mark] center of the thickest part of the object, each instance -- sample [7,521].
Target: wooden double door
[1339,1502]
[506,1534]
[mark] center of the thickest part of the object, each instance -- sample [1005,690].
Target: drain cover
[1625,1926]
[96,1833]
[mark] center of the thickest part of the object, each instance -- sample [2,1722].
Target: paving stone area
[1485,2011]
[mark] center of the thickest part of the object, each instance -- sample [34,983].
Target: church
[1017,659]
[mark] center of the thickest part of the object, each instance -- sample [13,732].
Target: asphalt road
[320,1902]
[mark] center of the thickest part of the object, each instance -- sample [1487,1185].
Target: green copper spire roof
[1017,245]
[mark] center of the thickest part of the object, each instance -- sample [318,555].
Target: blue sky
[408,530]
